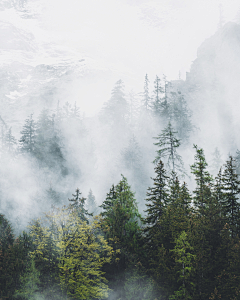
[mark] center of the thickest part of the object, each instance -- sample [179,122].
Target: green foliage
[29,283]
[77,205]
[231,191]
[83,251]
[157,196]
[184,268]
[203,179]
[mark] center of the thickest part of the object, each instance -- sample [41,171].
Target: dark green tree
[120,222]
[231,190]
[157,199]
[202,193]
[77,204]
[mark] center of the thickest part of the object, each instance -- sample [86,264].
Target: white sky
[152,36]
[131,37]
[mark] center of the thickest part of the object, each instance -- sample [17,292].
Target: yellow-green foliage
[80,252]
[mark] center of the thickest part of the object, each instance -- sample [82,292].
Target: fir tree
[157,198]
[115,110]
[216,162]
[9,141]
[120,223]
[28,138]
[158,91]
[168,144]
[91,204]
[146,97]
[180,116]
[165,111]
[203,179]
[77,205]
[231,190]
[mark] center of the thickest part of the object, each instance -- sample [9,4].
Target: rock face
[213,88]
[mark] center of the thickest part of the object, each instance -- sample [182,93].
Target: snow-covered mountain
[35,71]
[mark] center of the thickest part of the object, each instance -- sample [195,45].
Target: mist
[84,73]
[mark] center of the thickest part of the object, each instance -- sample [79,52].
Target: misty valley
[139,200]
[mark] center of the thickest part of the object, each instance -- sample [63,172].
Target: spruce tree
[231,190]
[120,222]
[168,144]
[157,199]
[115,110]
[146,97]
[9,141]
[77,205]
[28,138]
[91,204]
[180,116]
[158,91]
[202,193]
[165,107]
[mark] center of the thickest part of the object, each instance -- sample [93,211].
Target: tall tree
[180,116]
[157,99]
[168,144]
[231,190]
[91,204]
[28,138]
[77,205]
[202,193]
[146,96]
[115,110]
[120,222]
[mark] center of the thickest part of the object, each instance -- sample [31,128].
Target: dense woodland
[148,238]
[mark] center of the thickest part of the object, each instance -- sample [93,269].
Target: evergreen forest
[120,206]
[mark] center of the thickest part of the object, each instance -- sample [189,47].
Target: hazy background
[58,52]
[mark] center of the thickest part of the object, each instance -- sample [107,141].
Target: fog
[68,55]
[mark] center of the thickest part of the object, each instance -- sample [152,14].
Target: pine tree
[216,162]
[157,197]
[168,143]
[120,213]
[165,110]
[184,267]
[83,252]
[48,148]
[231,189]
[9,141]
[180,116]
[146,97]
[203,180]
[28,138]
[29,282]
[115,110]
[77,205]
[120,223]
[158,91]
[237,161]
[132,156]
[91,204]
